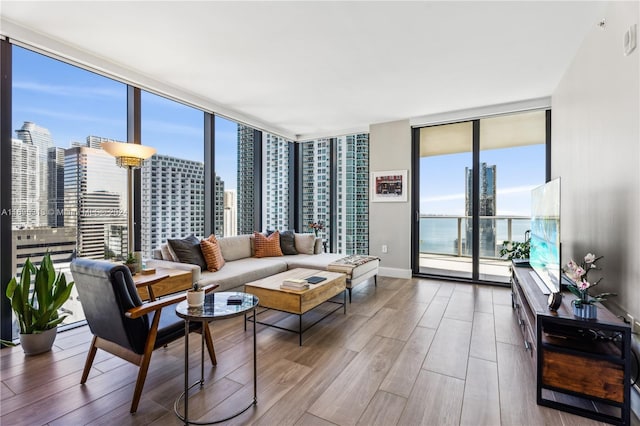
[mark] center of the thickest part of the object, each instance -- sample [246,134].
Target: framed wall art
[389,186]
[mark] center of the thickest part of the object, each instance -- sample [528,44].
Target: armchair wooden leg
[89,361]
[142,376]
[209,339]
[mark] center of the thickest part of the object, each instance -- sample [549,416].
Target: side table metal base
[185,394]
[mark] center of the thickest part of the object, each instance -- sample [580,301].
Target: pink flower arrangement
[581,285]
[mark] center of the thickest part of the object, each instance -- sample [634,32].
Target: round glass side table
[217,306]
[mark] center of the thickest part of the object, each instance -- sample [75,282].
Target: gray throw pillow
[188,251]
[287,243]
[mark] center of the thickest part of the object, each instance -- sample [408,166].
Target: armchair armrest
[156,305]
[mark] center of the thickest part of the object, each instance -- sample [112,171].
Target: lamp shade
[134,150]
[128,154]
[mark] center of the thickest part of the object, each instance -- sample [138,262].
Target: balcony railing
[449,235]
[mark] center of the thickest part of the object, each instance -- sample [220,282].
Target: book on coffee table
[295,284]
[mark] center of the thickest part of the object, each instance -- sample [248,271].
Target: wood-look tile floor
[408,352]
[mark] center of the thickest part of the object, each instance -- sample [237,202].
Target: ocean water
[439,234]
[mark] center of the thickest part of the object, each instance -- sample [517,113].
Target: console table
[582,366]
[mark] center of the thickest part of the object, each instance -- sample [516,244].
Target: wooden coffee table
[298,302]
[165,281]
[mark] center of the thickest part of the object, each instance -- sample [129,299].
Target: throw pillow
[287,243]
[305,243]
[212,253]
[166,253]
[267,246]
[188,251]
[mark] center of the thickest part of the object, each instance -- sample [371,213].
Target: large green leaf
[50,291]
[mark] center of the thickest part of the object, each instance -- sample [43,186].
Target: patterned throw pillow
[212,253]
[267,246]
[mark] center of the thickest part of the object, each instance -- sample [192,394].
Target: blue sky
[73,104]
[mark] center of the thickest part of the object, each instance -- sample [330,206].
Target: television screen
[544,256]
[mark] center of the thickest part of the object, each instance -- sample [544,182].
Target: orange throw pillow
[212,254]
[267,246]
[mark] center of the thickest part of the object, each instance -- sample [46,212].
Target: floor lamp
[129,156]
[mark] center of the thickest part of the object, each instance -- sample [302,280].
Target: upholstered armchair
[121,324]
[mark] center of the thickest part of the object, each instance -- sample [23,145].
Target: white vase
[195,298]
[37,343]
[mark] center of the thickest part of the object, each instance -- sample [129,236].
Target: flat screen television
[544,255]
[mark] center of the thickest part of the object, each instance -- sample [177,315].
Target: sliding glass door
[474,185]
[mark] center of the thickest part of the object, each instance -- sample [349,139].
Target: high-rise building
[40,137]
[55,213]
[275,178]
[316,184]
[246,184]
[353,194]
[219,223]
[172,200]
[25,185]
[95,194]
[487,209]
[230,213]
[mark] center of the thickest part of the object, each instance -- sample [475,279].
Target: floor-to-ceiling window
[316,185]
[68,195]
[172,180]
[352,198]
[445,199]
[277,196]
[512,163]
[477,173]
[335,191]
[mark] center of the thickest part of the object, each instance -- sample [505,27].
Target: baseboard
[394,272]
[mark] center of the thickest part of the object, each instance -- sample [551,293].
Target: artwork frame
[389,186]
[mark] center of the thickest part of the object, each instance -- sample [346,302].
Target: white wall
[596,153]
[390,223]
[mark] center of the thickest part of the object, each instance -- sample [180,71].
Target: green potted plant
[131,263]
[36,304]
[195,296]
[517,251]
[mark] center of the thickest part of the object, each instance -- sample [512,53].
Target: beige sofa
[242,267]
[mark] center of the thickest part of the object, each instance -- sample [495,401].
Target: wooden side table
[173,281]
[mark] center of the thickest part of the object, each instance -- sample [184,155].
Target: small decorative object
[36,304]
[584,306]
[195,296]
[316,226]
[131,262]
[554,301]
[517,251]
[148,271]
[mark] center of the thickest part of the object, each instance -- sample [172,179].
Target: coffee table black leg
[300,329]
[344,302]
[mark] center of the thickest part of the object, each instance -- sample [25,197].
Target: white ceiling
[317,68]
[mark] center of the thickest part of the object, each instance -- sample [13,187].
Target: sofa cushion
[166,253]
[212,253]
[287,243]
[305,243]
[234,248]
[242,271]
[188,251]
[267,246]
